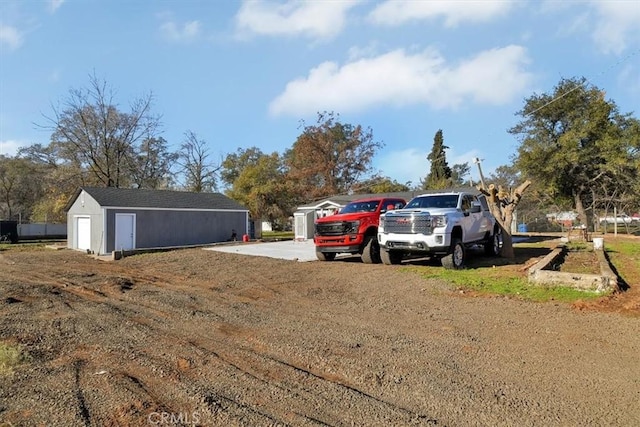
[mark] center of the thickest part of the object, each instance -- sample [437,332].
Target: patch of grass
[11,355]
[627,248]
[22,247]
[277,235]
[576,246]
[625,258]
[496,281]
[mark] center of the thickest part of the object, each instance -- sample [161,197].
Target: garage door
[83,233]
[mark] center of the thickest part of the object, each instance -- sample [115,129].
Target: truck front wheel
[455,259]
[390,257]
[371,251]
[325,256]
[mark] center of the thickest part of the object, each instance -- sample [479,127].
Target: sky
[251,73]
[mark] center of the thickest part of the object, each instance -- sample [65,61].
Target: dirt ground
[196,337]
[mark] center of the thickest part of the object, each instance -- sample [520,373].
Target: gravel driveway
[197,337]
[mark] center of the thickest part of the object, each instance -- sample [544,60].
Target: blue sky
[245,73]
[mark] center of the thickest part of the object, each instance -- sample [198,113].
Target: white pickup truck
[441,225]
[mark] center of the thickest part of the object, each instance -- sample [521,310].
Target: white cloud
[397,12]
[10,37]
[357,52]
[410,164]
[453,158]
[10,147]
[318,19]
[629,78]
[177,33]
[616,23]
[55,5]
[610,23]
[398,78]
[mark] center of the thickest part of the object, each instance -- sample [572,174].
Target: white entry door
[83,233]
[300,225]
[125,231]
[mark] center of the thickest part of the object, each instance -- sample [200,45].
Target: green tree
[329,157]
[439,173]
[20,187]
[58,179]
[235,163]
[459,173]
[380,184]
[258,181]
[572,141]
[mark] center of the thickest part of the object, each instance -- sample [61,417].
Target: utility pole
[477,162]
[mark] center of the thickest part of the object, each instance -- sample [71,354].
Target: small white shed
[305,216]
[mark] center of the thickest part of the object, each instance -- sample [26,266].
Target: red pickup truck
[354,229]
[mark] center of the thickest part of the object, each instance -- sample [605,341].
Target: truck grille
[335,228]
[404,223]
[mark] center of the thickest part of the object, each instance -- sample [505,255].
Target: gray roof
[343,199]
[143,198]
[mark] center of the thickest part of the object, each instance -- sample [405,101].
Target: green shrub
[11,355]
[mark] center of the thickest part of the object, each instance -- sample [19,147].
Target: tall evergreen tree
[440,172]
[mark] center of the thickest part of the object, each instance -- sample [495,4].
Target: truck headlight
[438,221]
[351,226]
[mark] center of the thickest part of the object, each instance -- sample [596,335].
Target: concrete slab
[296,251]
[302,251]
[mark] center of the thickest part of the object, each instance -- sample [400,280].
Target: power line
[615,64]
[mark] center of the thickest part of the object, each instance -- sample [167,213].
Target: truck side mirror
[475,208]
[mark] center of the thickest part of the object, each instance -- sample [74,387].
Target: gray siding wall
[85,205]
[162,228]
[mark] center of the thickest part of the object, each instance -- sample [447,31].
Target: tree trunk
[502,204]
[582,214]
[507,239]
[507,245]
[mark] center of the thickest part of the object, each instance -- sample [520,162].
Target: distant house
[102,220]
[305,216]
[565,219]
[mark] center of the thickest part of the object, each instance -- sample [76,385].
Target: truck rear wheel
[325,256]
[493,246]
[455,259]
[371,251]
[390,257]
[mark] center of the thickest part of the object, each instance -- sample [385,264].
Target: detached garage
[102,220]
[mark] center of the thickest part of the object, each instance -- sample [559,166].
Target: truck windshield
[444,201]
[361,207]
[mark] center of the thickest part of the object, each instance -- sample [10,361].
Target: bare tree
[92,132]
[503,203]
[150,166]
[200,175]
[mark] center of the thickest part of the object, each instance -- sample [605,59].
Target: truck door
[473,218]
